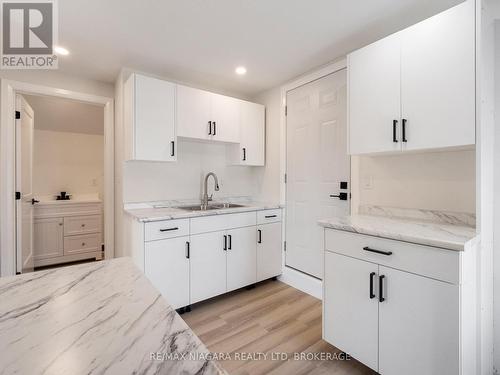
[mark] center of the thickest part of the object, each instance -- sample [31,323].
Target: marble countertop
[447,236]
[148,213]
[94,318]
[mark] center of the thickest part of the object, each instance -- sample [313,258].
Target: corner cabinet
[149,119]
[415,89]
[191,260]
[397,307]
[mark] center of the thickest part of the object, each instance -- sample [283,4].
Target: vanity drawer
[268,216]
[83,243]
[215,223]
[82,224]
[433,262]
[159,230]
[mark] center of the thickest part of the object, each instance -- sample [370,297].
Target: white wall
[435,180]
[71,162]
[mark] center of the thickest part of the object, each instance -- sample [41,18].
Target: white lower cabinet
[48,238]
[208,266]
[394,320]
[166,263]
[241,258]
[418,325]
[268,251]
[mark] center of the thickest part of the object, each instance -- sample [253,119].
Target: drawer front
[427,261]
[159,230]
[268,216]
[215,223]
[82,224]
[83,243]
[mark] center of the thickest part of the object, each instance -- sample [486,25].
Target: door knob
[34,201]
[341,196]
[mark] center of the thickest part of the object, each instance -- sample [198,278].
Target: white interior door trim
[300,81]
[8,92]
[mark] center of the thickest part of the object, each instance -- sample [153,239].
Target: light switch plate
[367,182]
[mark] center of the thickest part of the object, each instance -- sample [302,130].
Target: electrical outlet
[367,182]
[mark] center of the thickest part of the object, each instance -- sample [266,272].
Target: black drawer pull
[366,248]
[188,250]
[270,216]
[381,288]
[394,130]
[210,128]
[372,295]
[404,130]
[169,229]
[244,154]
[260,236]
[225,243]
[215,128]
[173,148]
[230,247]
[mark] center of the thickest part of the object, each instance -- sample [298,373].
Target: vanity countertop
[447,236]
[148,213]
[100,317]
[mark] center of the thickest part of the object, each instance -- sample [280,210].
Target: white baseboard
[303,282]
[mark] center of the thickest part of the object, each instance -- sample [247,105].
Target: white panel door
[241,257]
[154,119]
[419,325]
[374,97]
[438,80]
[252,125]
[48,238]
[193,113]
[208,266]
[24,185]
[166,264]
[226,117]
[269,258]
[317,162]
[350,308]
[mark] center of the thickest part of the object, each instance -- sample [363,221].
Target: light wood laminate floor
[271,318]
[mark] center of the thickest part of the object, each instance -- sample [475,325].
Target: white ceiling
[202,41]
[63,115]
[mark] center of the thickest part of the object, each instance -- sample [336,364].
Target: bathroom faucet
[206,198]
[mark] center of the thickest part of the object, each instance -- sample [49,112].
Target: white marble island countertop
[96,318]
[447,236]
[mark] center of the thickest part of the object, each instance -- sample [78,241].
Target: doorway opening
[59,181]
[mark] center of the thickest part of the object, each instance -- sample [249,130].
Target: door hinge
[102,247]
[285,178]
[284,245]
[286,110]
[18,115]
[18,195]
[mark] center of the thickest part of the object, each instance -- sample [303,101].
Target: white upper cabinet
[374,97]
[438,80]
[415,89]
[193,113]
[149,118]
[207,116]
[251,149]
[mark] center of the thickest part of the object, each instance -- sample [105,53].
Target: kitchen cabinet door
[208,266]
[48,238]
[374,97]
[166,264]
[269,256]
[241,257]
[418,325]
[438,80]
[226,115]
[350,312]
[150,119]
[193,113]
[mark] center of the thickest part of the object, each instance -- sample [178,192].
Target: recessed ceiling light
[240,70]
[61,51]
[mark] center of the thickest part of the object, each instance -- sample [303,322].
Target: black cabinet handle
[381,288]
[372,295]
[394,131]
[169,229]
[366,248]
[404,131]
[188,250]
[215,128]
[34,201]
[270,216]
[230,242]
[244,154]
[341,196]
[260,236]
[225,243]
[173,148]
[210,128]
